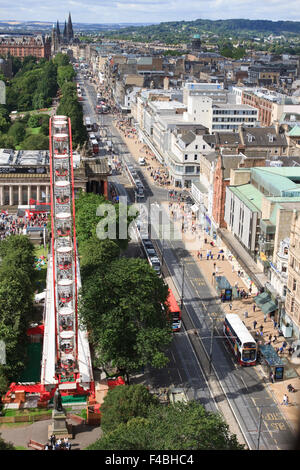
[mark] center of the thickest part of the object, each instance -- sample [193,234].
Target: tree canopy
[87,220]
[35,142]
[180,426]
[122,308]
[6,445]
[17,278]
[124,403]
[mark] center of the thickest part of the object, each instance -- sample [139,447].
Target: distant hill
[183,30]
[171,31]
[44,26]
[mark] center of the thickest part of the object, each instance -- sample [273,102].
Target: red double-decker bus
[174,311]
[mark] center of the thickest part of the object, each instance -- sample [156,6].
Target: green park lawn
[33,130]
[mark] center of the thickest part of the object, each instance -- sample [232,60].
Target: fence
[39,417]
[24,418]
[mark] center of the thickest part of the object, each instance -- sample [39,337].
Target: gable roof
[187,137]
[262,136]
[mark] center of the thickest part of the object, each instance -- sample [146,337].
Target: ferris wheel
[64,256]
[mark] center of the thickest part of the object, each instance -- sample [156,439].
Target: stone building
[25,176]
[292,304]
[259,206]
[22,46]
[225,163]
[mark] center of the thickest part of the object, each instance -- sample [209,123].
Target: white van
[142,161]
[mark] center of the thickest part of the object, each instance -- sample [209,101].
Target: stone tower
[54,41]
[58,32]
[65,35]
[70,33]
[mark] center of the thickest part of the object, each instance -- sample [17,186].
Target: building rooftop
[250,195]
[234,106]
[9,157]
[167,105]
[295,132]
[278,181]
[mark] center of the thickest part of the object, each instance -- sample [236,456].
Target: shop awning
[265,303]
[269,307]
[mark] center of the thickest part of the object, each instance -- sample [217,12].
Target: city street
[235,390]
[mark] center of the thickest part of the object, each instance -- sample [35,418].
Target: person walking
[285,400]
[245,314]
[230,306]
[265,317]
[254,324]
[254,308]
[272,377]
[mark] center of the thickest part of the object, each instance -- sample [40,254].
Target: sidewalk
[229,268]
[156,173]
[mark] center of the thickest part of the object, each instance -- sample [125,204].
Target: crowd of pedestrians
[58,444]
[14,225]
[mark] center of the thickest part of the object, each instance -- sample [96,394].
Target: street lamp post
[182,287]
[259,428]
[211,345]
[162,251]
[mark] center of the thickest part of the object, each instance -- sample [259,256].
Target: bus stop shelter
[271,362]
[223,288]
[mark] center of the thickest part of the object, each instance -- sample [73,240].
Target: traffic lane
[240,384]
[183,371]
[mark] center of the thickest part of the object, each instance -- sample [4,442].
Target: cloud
[109,11]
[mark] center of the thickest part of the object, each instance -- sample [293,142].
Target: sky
[147,11]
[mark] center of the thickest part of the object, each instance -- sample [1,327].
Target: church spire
[70,33]
[65,31]
[57,31]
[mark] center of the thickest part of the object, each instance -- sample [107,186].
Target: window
[203,146]
[189,169]
[185,157]
[195,157]
[292,305]
[196,147]
[294,284]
